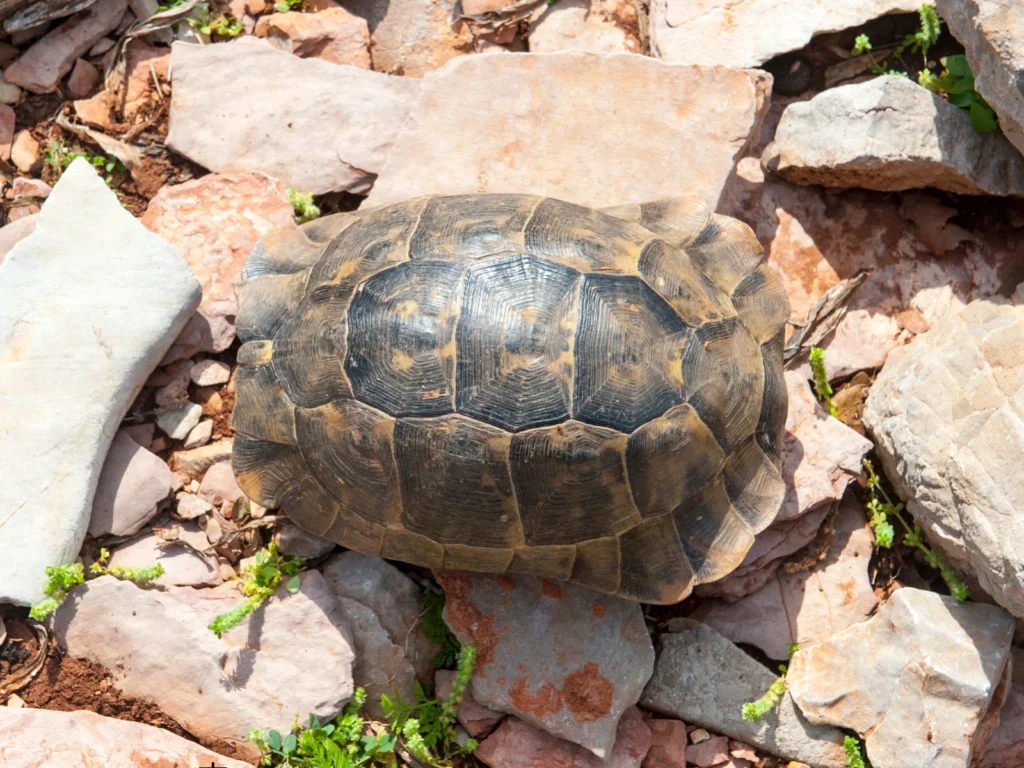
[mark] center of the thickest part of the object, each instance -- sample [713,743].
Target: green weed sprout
[854,758]
[56,155]
[302,202]
[821,386]
[287,5]
[880,507]
[957,83]
[221,25]
[61,579]
[761,708]
[862,44]
[928,32]
[428,726]
[434,628]
[262,577]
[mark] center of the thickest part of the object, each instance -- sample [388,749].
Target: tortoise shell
[509,383]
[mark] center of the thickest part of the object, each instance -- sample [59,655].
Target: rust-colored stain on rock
[507,583]
[463,616]
[550,589]
[587,694]
[600,610]
[547,700]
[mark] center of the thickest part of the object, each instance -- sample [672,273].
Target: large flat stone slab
[593,129]
[891,134]
[316,126]
[562,657]
[992,32]
[89,303]
[38,737]
[703,679]
[914,681]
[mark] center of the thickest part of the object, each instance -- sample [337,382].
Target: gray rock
[227,115]
[914,681]
[547,129]
[704,679]
[219,485]
[191,506]
[292,540]
[89,303]
[888,134]
[178,422]
[185,564]
[208,373]
[156,646]
[947,414]
[748,34]
[562,657]
[81,739]
[992,32]
[1005,747]
[380,665]
[131,485]
[391,595]
[199,435]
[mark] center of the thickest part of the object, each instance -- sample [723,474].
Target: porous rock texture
[228,116]
[39,737]
[888,134]
[992,33]
[217,688]
[562,657]
[914,681]
[747,34]
[703,679]
[89,303]
[947,414]
[465,136]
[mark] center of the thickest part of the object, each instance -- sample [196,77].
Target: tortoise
[509,383]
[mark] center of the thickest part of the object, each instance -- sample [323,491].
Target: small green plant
[61,579]
[262,577]
[957,84]
[854,758]
[821,385]
[287,5]
[342,743]
[56,155]
[302,202]
[170,4]
[862,44]
[428,726]
[221,25]
[434,628]
[881,508]
[761,708]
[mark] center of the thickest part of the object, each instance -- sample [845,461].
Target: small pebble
[199,436]
[698,735]
[207,373]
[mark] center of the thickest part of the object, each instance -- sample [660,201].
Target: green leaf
[961,99]
[274,740]
[957,65]
[282,7]
[862,44]
[293,584]
[983,118]
[288,746]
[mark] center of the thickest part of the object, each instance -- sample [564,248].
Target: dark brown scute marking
[690,292]
[348,447]
[264,470]
[598,564]
[409,547]
[255,353]
[726,250]
[401,339]
[514,342]
[373,242]
[754,485]
[678,220]
[669,459]
[715,537]
[725,379]
[628,353]
[570,482]
[483,559]
[306,356]
[555,561]
[265,302]
[761,303]
[469,227]
[455,481]
[655,568]
[584,239]
[771,423]
[262,409]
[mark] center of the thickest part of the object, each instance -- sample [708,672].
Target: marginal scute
[771,421]
[761,303]
[628,355]
[460,557]
[754,485]
[570,482]
[714,535]
[514,342]
[409,547]
[282,252]
[455,457]
[691,293]
[552,562]
[677,220]
[655,568]
[669,459]
[312,508]
[584,239]
[726,250]
[598,564]
[265,470]
[470,227]
[401,339]
[264,303]
[348,447]
[262,409]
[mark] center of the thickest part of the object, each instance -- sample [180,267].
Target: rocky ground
[146,150]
